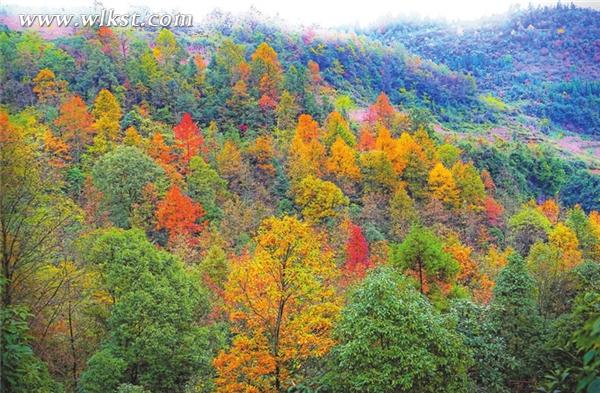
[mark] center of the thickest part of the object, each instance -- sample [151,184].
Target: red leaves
[179,214]
[188,139]
[357,252]
[494,210]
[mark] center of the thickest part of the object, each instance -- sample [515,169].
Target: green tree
[154,338]
[205,186]
[423,253]
[391,339]
[491,359]
[515,314]
[121,176]
[527,226]
[22,371]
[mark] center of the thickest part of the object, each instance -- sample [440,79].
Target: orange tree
[282,307]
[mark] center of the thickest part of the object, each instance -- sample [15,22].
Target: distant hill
[545,60]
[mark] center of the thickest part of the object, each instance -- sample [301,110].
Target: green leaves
[153,329]
[391,339]
[121,176]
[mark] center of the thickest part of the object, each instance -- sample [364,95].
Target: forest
[244,207]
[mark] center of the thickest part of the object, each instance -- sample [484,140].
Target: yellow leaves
[594,219]
[133,138]
[564,240]
[229,160]
[107,113]
[57,149]
[342,162]
[390,147]
[47,88]
[306,152]
[442,185]
[282,306]
[262,152]
[319,199]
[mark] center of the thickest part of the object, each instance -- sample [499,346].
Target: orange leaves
[282,306]
[57,149]
[247,367]
[75,122]
[389,146]
[307,129]
[342,162]
[179,214]
[47,88]
[306,151]
[381,111]
[493,210]
[188,140]
[550,209]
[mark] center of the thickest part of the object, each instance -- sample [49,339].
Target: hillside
[544,61]
[247,207]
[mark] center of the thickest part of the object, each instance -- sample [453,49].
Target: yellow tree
[319,199]
[550,209]
[107,114]
[282,307]
[389,146]
[47,88]
[342,162]
[306,152]
[337,127]
[442,185]
[549,264]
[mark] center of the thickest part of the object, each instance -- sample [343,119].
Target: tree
[357,252]
[517,319]
[550,264]
[188,140]
[417,165]
[527,226]
[205,186]
[390,339]
[75,123]
[492,362]
[422,252]
[107,114]
[469,183]
[442,186]
[166,48]
[282,307]
[266,73]
[337,127]
[306,154]
[389,146]
[342,162]
[47,88]
[21,371]
[287,111]
[382,112]
[319,199]
[153,338]
[121,176]
[179,215]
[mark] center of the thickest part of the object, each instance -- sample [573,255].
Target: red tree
[188,139]
[179,214]
[357,252]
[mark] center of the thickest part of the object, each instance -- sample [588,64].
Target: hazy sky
[323,12]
